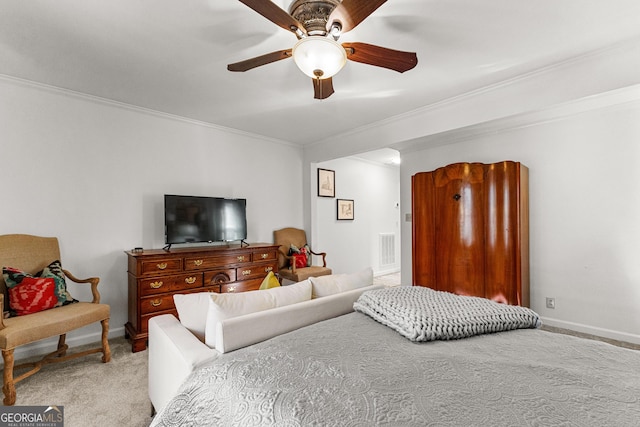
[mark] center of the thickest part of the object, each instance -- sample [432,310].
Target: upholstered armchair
[37,301]
[287,268]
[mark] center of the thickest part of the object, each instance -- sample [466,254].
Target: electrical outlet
[551,303]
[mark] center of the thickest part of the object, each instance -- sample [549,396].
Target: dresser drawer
[265,255]
[255,271]
[219,277]
[202,263]
[153,304]
[158,266]
[158,285]
[247,285]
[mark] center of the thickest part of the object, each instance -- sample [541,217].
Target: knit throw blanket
[423,314]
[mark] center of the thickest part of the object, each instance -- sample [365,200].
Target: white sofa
[174,351]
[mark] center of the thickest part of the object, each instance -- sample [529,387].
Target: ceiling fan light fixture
[319,57]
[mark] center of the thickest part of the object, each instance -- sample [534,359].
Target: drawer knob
[264,256]
[197,262]
[156,302]
[246,272]
[162,265]
[190,280]
[156,285]
[240,258]
[268,269]
[231,289]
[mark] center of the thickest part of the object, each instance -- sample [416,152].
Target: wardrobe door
[459,229]
[423,230]
[506,231]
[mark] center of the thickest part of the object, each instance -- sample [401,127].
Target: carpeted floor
[94,393]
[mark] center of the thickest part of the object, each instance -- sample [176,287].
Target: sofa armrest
[174,352]
[241,331]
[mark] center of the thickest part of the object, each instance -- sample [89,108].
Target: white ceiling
[171,55]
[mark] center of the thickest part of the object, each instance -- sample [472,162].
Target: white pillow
[225,306]
[324,286]
[335,283]
[291,294]
[347,282]
[192,311]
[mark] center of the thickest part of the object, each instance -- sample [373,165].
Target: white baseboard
[385,272]
[593,330]
[42,347]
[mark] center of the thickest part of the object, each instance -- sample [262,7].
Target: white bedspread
[351,371]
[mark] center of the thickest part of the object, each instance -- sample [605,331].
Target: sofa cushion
[224,306]
[323,286]
[192,311]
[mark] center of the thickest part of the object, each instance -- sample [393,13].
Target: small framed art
[326,183]
[345,209]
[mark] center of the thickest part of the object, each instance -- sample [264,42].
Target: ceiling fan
[318,25]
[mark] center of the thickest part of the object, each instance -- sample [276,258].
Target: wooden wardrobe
[471,230]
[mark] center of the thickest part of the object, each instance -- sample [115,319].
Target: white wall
[584,210]
[353,245]
[93,173]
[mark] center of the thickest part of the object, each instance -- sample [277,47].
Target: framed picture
[326,183]
[345,209]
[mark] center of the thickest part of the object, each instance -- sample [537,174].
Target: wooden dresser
[156,275]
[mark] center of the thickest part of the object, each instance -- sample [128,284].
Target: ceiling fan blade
[381,56]
[322,88]
[275,14]
[352,12]
[260,60]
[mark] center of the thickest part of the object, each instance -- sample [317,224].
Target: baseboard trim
[594,331]
[385,272]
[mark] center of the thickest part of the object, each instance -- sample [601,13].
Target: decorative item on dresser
[156,275]
[471,230]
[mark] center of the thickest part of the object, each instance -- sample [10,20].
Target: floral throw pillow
[54,271]
[301,255]
[14,277]
[31,295]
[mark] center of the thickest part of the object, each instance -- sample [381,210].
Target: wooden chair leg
[106,351]
[8,386]
[62,347]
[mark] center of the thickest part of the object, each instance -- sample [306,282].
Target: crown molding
[134,108]
[619,99]
[433,119]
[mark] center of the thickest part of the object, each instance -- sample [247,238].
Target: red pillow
[33,294]
[300,260]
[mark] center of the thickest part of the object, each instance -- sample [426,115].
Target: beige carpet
[94,393]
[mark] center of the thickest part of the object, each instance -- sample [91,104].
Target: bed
[353,370]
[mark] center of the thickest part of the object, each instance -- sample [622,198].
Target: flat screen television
[193,219]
